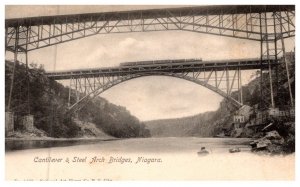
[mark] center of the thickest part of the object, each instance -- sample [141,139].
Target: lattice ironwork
[86,88]
[267,24]
[273,26]
[222,77]
[232,21]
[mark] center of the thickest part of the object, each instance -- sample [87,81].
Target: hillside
[48,103]
[212,123]
[180,127]
[205,124]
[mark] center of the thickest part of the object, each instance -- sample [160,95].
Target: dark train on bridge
[153,62]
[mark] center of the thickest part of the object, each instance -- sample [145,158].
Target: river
[171,158]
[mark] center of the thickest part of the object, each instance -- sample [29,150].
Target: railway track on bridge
[242,64]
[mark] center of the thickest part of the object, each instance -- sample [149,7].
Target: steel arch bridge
[105,85]
[221,77]
[267,24]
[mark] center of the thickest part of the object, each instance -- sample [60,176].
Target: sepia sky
[149,97]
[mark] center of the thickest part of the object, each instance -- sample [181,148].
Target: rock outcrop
[272,142]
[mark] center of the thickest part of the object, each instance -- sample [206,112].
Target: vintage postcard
[114,93]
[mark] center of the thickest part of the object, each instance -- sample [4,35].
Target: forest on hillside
[48,104]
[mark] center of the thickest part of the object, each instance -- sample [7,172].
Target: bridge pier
[285,62]
[27,122]
[267,48]
[9,123]
[14,68]
[272,45]
[240,86]
[17,51]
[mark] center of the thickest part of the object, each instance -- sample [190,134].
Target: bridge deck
[243,64]
[237,21]
[197,10]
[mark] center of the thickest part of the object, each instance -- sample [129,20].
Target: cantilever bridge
[267,24]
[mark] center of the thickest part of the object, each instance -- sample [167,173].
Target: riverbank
[86,130]
[59,139]
[19,144]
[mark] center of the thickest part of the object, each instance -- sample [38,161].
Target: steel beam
[230,21]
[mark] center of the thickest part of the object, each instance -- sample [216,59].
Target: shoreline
[91,139]
[110,138]
[59,139]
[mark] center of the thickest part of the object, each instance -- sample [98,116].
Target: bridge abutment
[27,122]
[9,123]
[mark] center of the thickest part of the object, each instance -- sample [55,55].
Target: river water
[172,158]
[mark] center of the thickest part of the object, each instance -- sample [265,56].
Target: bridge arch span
[84,100]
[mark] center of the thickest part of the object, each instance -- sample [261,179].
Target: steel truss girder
[229,22]
[23,35]
[84,89]
[243,64]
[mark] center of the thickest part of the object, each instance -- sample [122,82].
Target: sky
[147,98]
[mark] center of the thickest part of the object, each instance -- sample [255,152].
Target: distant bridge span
[222,77]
